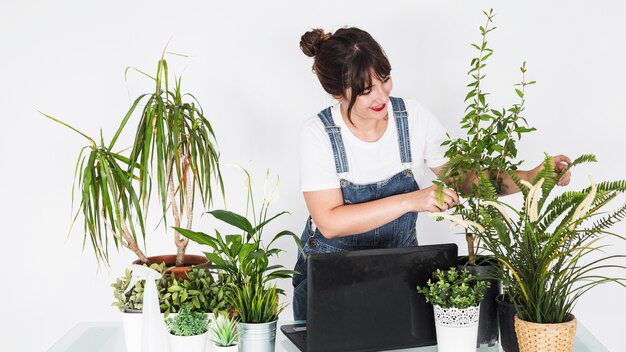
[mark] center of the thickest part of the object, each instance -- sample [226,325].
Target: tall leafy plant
[174,147]
[488,150]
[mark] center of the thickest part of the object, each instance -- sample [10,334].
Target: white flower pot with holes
[457,329]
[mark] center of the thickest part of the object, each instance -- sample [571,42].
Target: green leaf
[233,219]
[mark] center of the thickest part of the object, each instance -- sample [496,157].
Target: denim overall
[397,233]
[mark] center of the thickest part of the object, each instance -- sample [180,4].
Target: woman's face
[372,103]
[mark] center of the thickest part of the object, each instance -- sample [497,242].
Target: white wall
[67,58]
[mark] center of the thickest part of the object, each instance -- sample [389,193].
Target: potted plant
[550,249]
[174,151]
[456,298]
[245,258]
[477,163]
[130,304]
[188,331]
[224,333]
[198,291]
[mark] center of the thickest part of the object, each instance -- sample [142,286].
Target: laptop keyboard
[298,336]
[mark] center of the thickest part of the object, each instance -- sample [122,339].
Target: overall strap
[402,124]
[336,142]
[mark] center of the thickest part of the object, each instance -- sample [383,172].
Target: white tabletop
[109,337]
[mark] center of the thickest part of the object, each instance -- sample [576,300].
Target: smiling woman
[361,171]
[359,158]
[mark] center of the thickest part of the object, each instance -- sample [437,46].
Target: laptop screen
[367,300]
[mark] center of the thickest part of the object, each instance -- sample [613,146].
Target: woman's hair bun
[310,41]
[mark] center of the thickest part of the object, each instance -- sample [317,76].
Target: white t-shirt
[369,162]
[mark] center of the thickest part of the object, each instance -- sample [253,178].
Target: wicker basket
[533,337]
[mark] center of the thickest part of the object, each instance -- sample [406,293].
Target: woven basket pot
[533,337]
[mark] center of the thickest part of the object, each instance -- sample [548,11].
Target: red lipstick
[379,108]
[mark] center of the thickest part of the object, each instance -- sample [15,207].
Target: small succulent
[454,289]
[224,332]
[188,323]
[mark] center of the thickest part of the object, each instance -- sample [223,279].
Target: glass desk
[109,337]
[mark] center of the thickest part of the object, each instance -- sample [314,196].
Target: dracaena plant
[552,250]
[488,150]
[174,147]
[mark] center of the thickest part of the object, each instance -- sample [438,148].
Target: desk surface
[109,337]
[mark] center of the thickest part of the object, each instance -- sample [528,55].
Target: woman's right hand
[426,200]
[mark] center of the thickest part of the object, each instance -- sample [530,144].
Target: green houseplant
[245,258]
[224,333]
[478,163]
[552,250]
[456,298]
[174,150]
[198,291]
[188,331]
[488,150]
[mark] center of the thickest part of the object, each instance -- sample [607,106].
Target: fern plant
[552,251]
[488,150]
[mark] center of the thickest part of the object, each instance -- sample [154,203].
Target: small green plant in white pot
[455,297]
[223,333]
[188,331]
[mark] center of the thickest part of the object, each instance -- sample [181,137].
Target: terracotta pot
[533,337]
[180,272]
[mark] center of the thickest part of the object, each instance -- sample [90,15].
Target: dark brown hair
[345,59]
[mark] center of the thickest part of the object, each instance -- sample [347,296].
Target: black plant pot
[506,314]
[488,320]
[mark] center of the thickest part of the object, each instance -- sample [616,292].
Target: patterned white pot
[457,329]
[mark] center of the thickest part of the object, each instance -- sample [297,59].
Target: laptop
[367,300]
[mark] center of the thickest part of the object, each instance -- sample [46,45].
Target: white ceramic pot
[210,346]
[457,329]
[233,348]
[188,343]
[132,325]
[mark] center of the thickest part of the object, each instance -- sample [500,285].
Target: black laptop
[367,300]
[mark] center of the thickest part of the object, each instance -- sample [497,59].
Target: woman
[362,160]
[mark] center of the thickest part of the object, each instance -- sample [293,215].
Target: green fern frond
[606,222]
[585,158]
[558,206]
